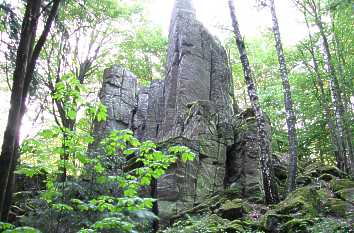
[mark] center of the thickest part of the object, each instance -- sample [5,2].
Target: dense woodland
[52,58]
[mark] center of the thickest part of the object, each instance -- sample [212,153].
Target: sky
[252,20]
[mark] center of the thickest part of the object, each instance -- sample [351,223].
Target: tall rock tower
[192,106]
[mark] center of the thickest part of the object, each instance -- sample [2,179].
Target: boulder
[300,206]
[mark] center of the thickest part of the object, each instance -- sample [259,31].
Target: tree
[290,115]
[323,97]
[27,54]
[314,9]
[143,52]
[269,184]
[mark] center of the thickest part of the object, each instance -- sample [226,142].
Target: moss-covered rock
[337,207]
[212,204]
[339,184]
[303,180]
[316,170]
[296,225]
[303,204]
[346,194]
[234,209]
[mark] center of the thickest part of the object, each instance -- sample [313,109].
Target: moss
[326,177]
[272,222]
[296,225]
[339,184]
[346,194]
[303,180]
[303,203]
[234,209]
[337,207]
[316,170]
[211,204]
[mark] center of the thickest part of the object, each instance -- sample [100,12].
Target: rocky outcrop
[193,106]
[197,69]
[316,207]
[242,164]
[197,111]
[119,94]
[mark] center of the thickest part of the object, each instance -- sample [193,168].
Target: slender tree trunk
[347,108]
[324,101]
[10,186]
[342,162]
[290,115]
[269,183]
[25,65]
[29,26]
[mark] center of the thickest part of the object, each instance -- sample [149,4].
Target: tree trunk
[290,115]
[323,101]
[347,108]
[342,162]
[25,65]
[269,183]
[29,26]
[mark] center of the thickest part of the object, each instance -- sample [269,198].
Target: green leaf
[62,207]
[99,168]
[129,151]
[145,181]
[6,226]
[102,113]
[130,192]
[71,114]
[187,156]
[22,230]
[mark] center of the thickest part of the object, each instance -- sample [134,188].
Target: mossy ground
[324,203]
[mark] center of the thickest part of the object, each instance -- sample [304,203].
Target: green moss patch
[302,204]
[339,184]
[337,207]
[234,209]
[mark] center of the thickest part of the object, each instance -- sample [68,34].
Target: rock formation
[194,107]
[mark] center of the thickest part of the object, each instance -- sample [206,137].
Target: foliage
[102,193]
[143,52]
[313,133]
[111,210]
[329,225]
[96,194]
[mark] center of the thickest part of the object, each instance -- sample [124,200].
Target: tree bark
[347,108]
[342,162]
[324,100]
[26,60]
[269,183]
[289,110]
[28,31]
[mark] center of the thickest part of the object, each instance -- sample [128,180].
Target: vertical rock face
[193,106]
[242,166]
[197,111]
[155,109]
[196,70]
[118,94]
